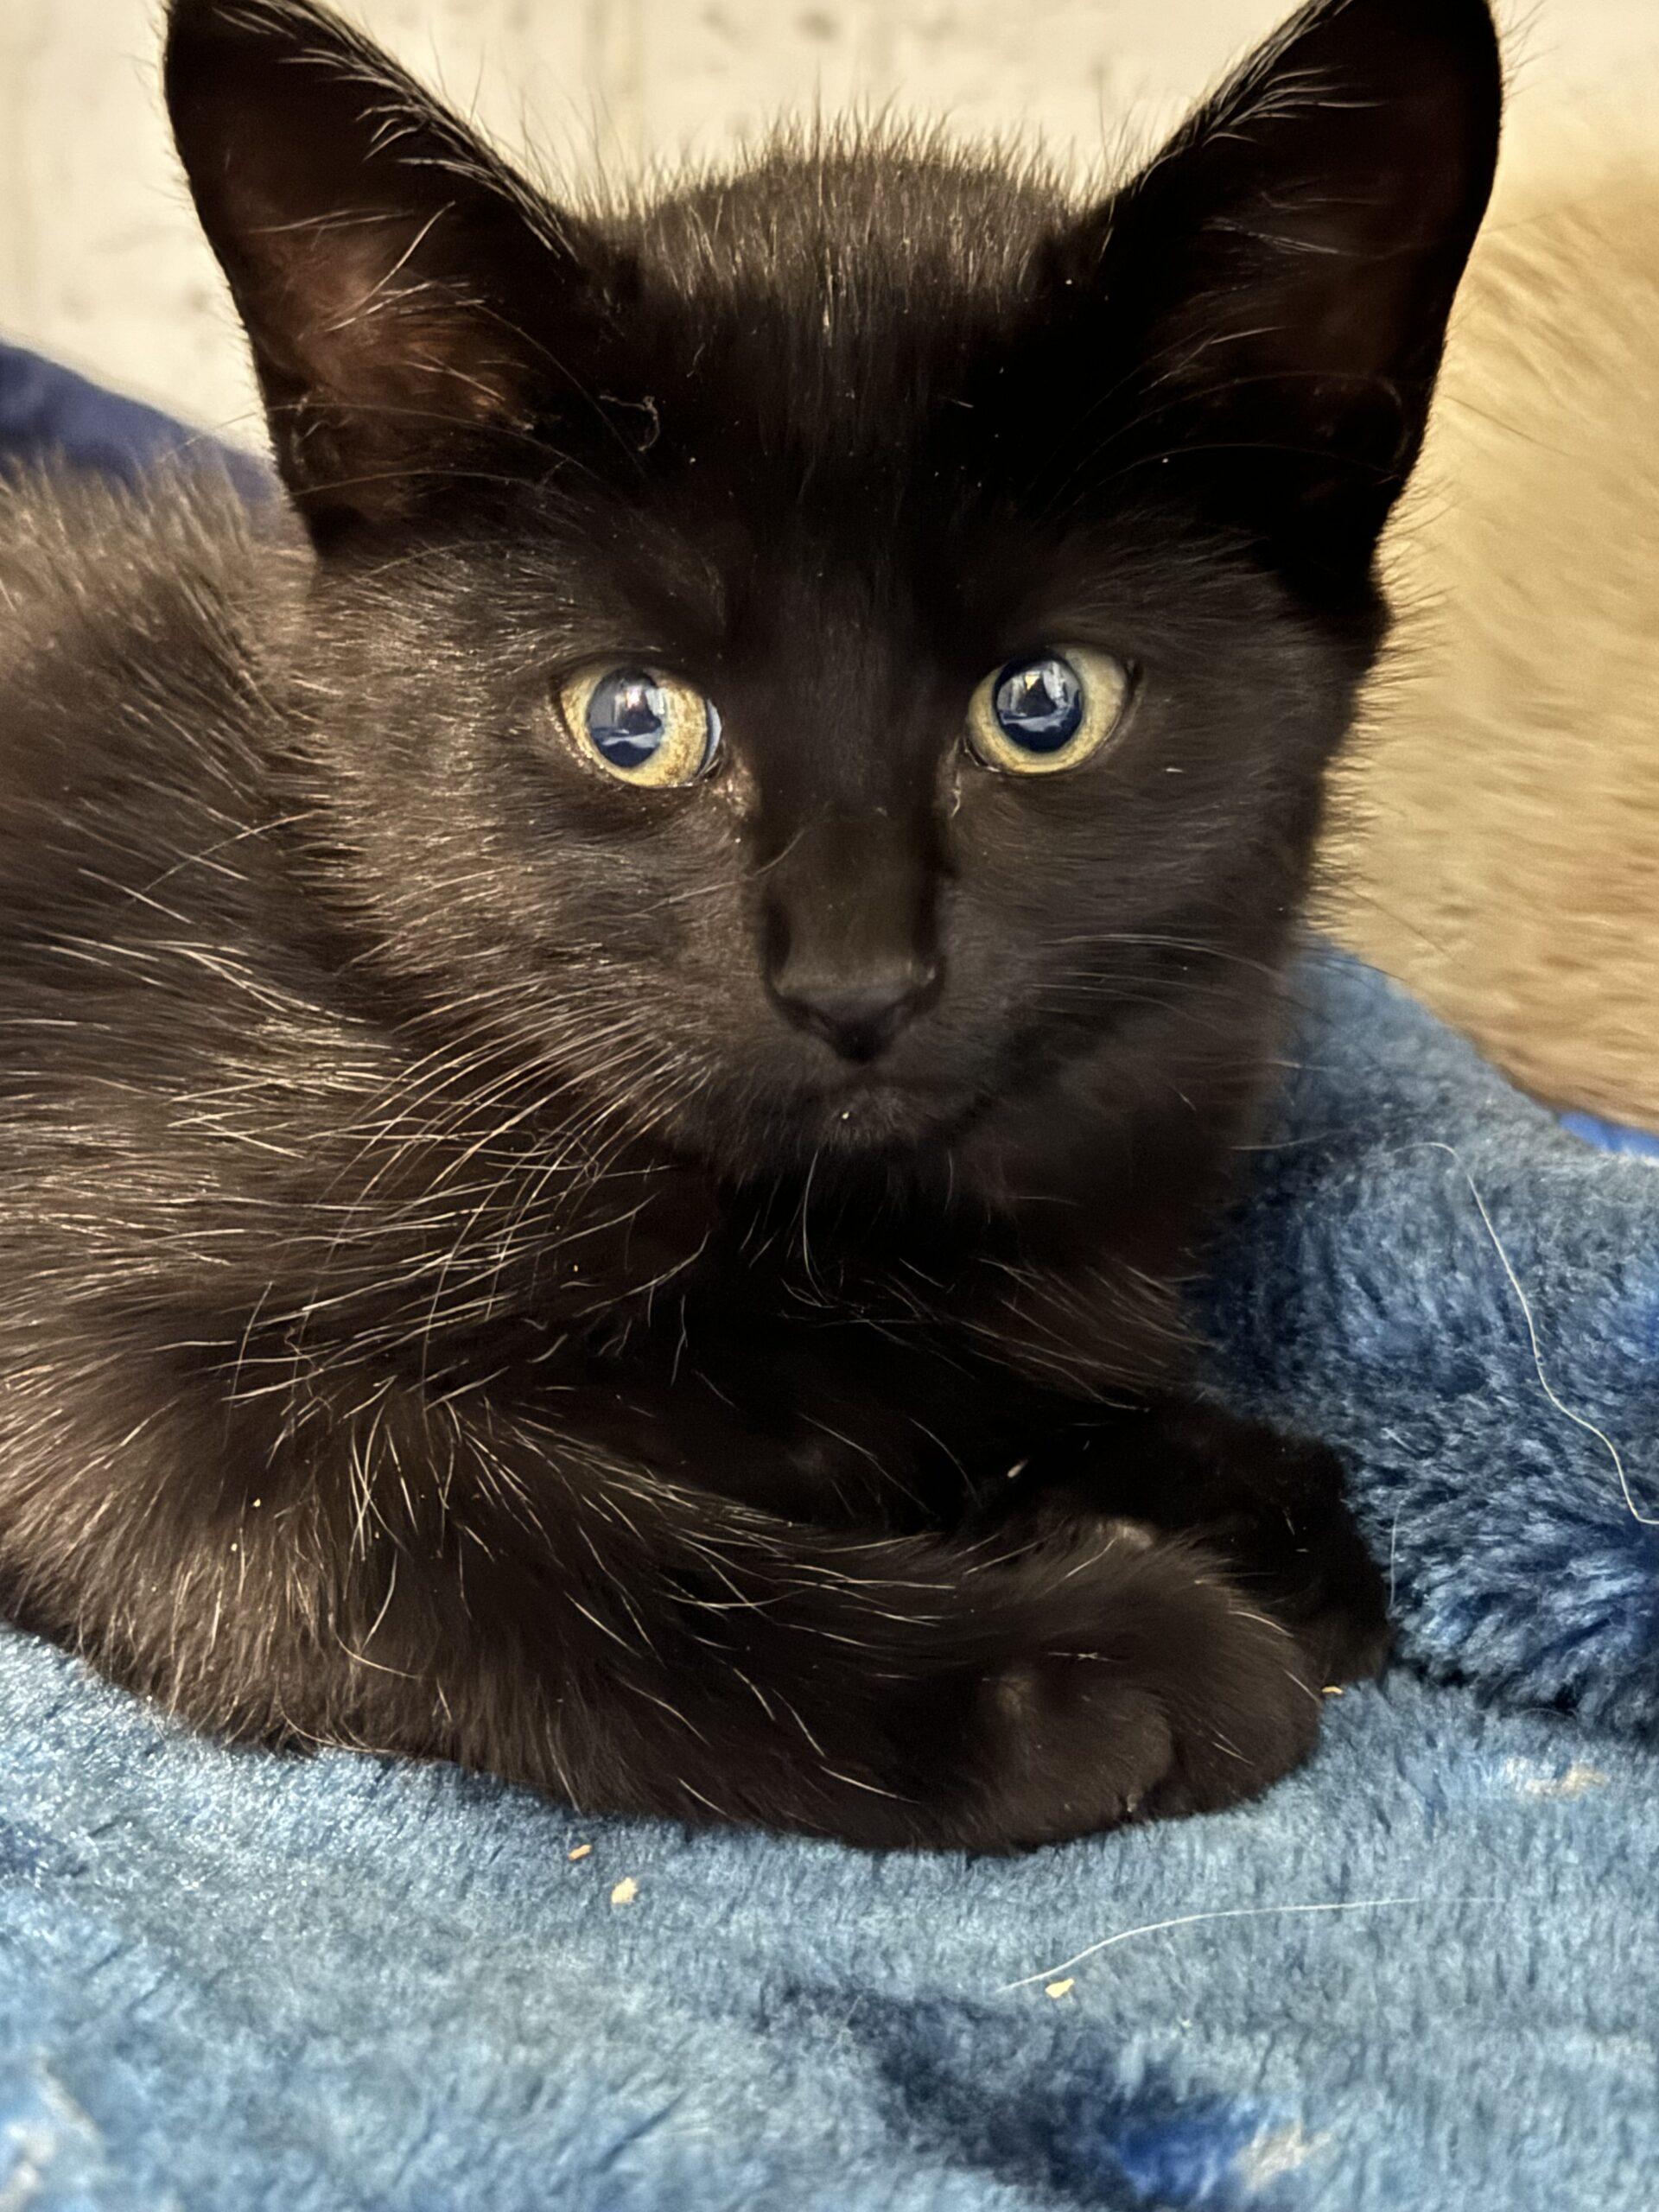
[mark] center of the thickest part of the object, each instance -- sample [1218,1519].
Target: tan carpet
[1498,845]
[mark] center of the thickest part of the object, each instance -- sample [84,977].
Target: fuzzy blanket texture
[1422,1974]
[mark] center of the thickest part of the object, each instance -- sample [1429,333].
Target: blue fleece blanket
[1422,1976]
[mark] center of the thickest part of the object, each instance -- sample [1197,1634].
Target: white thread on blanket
[1646,1520]
[1394,1540]
[1233,1912]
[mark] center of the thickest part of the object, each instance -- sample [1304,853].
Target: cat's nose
[858,1016]
[848,946]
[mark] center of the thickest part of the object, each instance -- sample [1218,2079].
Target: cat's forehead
[854,261]
[826,214]
[807,393]
[818,312]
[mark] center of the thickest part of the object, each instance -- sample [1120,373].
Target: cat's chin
[796,1128]
[878,1114]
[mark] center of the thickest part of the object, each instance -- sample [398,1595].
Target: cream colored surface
[1507,861]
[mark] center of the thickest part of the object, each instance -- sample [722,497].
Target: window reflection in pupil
[1040,706]
[635,713]
[626,719]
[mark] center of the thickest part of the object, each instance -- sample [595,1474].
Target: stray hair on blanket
[1647,1519]
[1236,1912]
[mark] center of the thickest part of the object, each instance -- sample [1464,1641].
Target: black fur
[450,1306]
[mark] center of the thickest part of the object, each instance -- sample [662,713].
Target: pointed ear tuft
[410,303]
[1283,271]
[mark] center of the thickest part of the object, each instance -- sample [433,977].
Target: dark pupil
[1039,703]
[627,718]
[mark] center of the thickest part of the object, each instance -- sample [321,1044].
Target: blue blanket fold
[1465,1298]
[48,413]
[1420,1976]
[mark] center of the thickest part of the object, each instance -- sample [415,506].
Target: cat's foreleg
[420,1574]
[1273,1506]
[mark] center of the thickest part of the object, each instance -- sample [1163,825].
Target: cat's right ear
[417,313]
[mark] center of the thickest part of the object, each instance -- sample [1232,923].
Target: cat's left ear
[413,308]
[1271,293]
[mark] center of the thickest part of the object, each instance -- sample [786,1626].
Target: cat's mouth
[878,1110]
[863,1117]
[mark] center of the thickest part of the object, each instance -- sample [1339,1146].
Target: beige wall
[99,262]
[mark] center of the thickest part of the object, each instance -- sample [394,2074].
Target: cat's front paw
[1272,1506]
[1187,1699]
[1291,1539]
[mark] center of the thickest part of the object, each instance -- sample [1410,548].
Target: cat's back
[135,624]
[150,921]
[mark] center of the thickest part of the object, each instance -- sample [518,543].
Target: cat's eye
[641,726]
[1049,711]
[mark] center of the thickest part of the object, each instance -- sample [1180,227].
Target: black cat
[613,1057]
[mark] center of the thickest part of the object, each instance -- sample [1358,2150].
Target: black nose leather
[848,949]
[860,1017]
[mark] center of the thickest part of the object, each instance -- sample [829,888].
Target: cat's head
[843,644]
